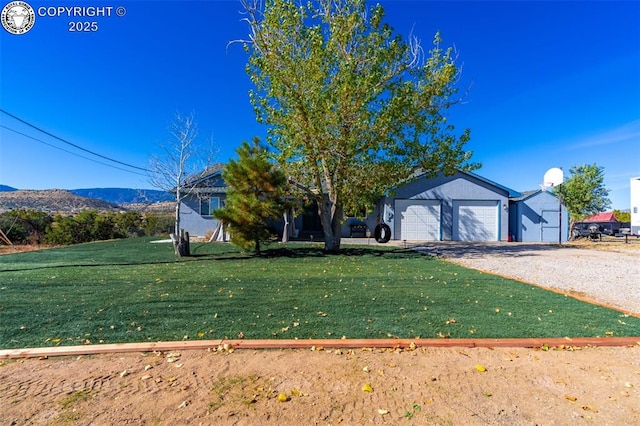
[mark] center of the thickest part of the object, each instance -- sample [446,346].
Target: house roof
[602,217]
[217,169]
[213,170]
[528,194]
[524,195]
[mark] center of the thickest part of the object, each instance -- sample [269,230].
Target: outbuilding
[537,216]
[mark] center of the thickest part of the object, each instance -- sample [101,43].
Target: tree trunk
[175,239]
[331,216]
[181,244]
[176,228]
[572,223]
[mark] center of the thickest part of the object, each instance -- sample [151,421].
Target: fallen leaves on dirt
[282,397]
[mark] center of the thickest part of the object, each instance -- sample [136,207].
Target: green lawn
[133,291]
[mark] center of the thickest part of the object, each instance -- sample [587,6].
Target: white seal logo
[18,17]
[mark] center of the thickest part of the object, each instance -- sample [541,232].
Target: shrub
[25,226]
[158,224]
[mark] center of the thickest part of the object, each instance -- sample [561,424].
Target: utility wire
[74,145]
[70,152]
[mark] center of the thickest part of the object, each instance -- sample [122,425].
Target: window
[209,205]
[359,212]
[635,210]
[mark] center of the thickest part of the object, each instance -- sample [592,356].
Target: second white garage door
[419,219]
[475,220]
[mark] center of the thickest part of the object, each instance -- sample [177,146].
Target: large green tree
[352,108]
[583,192]
[256,195]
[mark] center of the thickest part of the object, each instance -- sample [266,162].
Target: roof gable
[467,175]
[510,192]
[525,195]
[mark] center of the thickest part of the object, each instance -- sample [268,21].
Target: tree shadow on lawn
[476,250]
[192,258]
[272,253]
[309,252]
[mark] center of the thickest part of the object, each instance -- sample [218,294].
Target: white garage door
[475,220]
[419,219]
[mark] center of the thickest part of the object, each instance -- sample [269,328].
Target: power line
[70,152]
[74,145]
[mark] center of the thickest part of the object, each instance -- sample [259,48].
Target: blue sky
[552,84]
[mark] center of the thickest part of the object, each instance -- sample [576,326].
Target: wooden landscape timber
[318,345]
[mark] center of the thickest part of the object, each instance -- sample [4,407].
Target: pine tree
[255,194]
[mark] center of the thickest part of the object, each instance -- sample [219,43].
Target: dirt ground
[439,386]
[327,387]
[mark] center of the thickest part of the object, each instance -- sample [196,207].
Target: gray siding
[194,224]
[459,187]
[191,220]
[536,219]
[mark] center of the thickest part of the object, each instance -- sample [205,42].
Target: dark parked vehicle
[589,229]
[581,229]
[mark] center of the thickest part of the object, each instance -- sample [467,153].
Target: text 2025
[85,26]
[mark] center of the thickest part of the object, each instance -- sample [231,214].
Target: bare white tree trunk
[174,172]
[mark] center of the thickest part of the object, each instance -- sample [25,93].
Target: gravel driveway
[611,278]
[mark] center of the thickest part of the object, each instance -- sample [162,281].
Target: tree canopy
[622,216]
[352,108]
[583,192]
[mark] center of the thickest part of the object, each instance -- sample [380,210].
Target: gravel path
[612,278]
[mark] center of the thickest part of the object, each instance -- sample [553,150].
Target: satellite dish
[553,177]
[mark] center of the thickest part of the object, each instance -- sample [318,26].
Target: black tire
[382,233]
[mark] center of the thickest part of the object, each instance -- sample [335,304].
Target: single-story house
[460,207]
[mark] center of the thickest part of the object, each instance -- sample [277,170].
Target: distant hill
[53,200]
[123,196]
[5,188]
